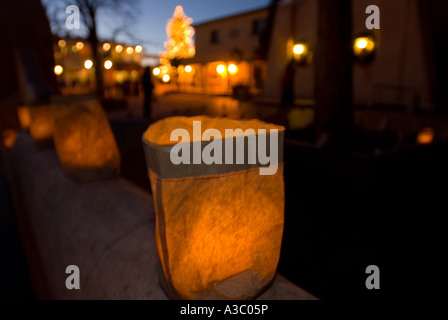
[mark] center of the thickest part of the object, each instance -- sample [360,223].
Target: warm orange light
[23,112]
[188,69]
[211,244]
[233,69]
[298,49]
[363,45]
[156,71]
[62,43]
[79,45]
[138,49]
[118,48]
[221,69]
[129,50]
[134,74]
[106,46]
[166,78]
[84,141]
[426,136]
[9,138]
[58,70]
[88,64]
[108,64]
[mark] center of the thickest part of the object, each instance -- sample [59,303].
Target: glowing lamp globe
[221,69]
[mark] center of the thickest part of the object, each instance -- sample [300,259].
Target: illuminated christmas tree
[180,43]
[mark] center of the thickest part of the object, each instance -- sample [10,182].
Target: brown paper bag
[41,126]
[84,141]
[219,226]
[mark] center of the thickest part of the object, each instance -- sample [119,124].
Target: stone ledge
[106,228]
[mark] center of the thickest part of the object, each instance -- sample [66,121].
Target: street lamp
[363,46]
[221,69]
[58,70]
[108,64]
[156,71]
[88,64]
[166,78]
[301,53]
[233,69]
[298,49]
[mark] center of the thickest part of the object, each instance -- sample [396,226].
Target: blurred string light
[62,43]
[166,78]
[180,44]
[108,64]
[79,45]
[138,49]
[106,46]
[156,71]
[118,48]
[88,64]
[129,50]
[188,69]
[58,70]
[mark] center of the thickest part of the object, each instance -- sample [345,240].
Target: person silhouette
[148,87]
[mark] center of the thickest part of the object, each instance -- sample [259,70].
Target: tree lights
[180,43]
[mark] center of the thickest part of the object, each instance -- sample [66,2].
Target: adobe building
[393,69]
[396,74]
[226,55]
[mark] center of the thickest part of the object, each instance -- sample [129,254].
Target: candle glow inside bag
[218,227]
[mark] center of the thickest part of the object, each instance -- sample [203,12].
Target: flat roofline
[238,15]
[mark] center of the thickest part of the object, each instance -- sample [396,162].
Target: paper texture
[218,236]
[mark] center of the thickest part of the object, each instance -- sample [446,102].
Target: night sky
[149,29]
